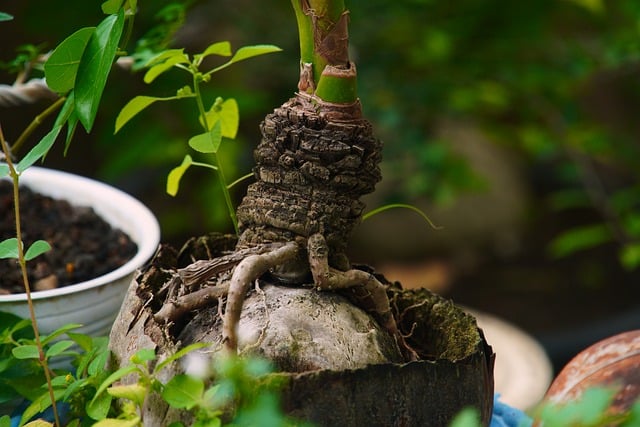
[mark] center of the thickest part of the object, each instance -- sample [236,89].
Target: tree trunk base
[342,368]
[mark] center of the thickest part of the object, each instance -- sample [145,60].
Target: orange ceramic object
[611,363]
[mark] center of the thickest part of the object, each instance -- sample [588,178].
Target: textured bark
[312,166]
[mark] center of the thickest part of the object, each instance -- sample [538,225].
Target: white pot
[96,302]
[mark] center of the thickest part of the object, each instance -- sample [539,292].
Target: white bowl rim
[147,246]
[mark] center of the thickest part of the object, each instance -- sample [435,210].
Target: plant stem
[216,162]
[25,278]
[37,121]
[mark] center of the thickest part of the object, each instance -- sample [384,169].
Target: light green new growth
[219,121]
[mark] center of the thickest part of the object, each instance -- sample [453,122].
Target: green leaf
[94,67]
[247,52]
[5,17]
[178,57]
[594,6]
[133,107]
[228,114]
[630,256]
[135,392]
[219,48]
[37,248]
[5,421]
[180,353]
[40,150]
[58,348]
[58,332]
[9,248]
[111,7]
[99,406]
[115,376]
[174,177]
[4,170]
[208,142]
[183,392]
[143,355]
[112,422]
[579,239]
[165,55]
[468,417]
[29,351]
[62,66]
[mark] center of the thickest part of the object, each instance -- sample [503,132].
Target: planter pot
[93,303]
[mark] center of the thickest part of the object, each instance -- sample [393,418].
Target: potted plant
[317,157]
[76,73]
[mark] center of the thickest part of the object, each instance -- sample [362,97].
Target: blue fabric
[506,416]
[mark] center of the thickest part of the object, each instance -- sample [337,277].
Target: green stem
[25,278]
[216,162]
[37,121]
[325,69]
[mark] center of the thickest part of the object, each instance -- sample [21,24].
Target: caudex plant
[317,157]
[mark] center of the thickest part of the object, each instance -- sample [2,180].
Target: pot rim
[113,205]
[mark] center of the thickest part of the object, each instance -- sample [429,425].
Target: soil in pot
[84,245]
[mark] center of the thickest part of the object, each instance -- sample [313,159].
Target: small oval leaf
[40,150]
[9,248]
[26,352]
[133,107]
[183,391]
[37,248]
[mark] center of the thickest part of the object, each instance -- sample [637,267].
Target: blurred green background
[514,125]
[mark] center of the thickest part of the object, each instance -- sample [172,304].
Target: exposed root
[367,290]
[248,270]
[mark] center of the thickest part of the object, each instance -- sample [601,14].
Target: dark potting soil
[84,246]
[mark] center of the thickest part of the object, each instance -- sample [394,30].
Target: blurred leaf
[569,199]
[579,239]
[183,392]
[133,107]
[111,7]
[630,256]
[594,6]
[37,248]
[468,417]
[5,17]
[135,392]
[164,62]
[62,66]
[26,352]
[95,65]
[99,406]
[173,180]
[4,170]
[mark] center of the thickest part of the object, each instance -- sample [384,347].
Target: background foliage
[555,83]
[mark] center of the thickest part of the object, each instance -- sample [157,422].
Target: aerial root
[248,270]
[366,288]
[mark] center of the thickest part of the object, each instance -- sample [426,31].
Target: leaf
[143,355]
[180,353]
[37,248]
[112,422]
[62,66]
[29,351]
[38,423]
[174,177]
[165,55]
[58,348]
[228,114]
[4,170]
[594,6]
[219,48]
[9,248]
[579,239]
[630,256]
[99,406]
[5,17]
[158,69]
[94,67]
[58,332]
[208,142]
[183,392]
[135,392]
[40,150]
[133,107]
[247,52]
[111,7]
[468,417]
[115,376]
